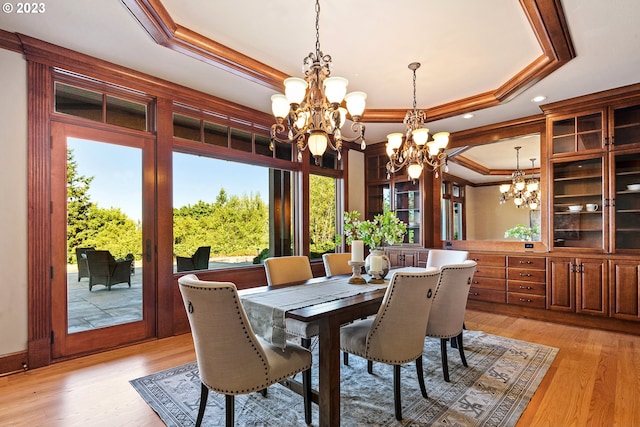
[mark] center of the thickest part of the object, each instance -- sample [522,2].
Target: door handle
[147,250]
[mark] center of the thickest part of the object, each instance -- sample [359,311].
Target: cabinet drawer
[488,295]
[526,287]
[526,262]
[489,259]
[527,300]
[489,283]
[527,275]
[484,271]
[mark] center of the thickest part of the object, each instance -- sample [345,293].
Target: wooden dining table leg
[329,372]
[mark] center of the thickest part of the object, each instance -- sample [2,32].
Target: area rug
[494,390]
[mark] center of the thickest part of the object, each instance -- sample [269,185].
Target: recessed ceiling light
[539,98]
[467,116]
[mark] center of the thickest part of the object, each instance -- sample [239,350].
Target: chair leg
[306,343]
[443,353]
[370,367]
[396,392]
[420,373]
[345,358]
[204,393]
[263,392]
[230,409]
[461,350]
[306,395]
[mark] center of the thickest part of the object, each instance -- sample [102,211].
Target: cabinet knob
[525,274]
[526,287]
[525,300]
[526,262]
[475,294]
[475,282]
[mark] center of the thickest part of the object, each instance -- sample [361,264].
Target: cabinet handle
[475,259]
[526,287]
[475,282]
[525,300]
[526,262]
[475,294]
[525,274]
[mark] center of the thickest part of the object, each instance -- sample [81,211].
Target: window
[241,211]
[322,215]
[99,107]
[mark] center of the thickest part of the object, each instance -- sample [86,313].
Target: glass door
[102,218]
[626,191]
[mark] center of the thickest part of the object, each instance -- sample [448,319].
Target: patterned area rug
[494,390]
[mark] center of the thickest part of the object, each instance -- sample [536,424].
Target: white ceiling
[466,47]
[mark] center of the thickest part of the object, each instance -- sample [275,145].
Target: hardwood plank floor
[594,380]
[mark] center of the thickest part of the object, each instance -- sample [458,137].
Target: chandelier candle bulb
[357,251]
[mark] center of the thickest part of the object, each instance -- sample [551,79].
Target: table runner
[266,310]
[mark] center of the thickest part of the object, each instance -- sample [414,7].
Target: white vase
[386,263]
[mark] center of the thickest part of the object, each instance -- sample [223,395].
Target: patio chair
[198,261]
[81,259]
[105,270]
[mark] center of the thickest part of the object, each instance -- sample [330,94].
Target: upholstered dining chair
[231,359]
[395,336]
[285,270]
[336,264]
[446,319]
[439,257]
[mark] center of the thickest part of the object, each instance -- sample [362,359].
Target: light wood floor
[594,380]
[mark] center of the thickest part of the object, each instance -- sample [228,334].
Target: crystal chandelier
[525,194]
[310,111]
[413,151]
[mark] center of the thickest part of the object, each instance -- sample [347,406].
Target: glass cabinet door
[626,126]
[626,190]
[407,208]
[577,133]
[578,215]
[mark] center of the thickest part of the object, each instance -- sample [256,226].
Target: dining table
[328,301]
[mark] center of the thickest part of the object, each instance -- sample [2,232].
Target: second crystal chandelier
[413,151]
[524,194]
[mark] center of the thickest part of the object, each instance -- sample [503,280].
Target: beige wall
[13,193]
[487,219]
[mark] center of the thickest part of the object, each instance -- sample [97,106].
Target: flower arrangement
[384,229]
[522,232]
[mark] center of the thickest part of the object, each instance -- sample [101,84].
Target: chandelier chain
[318,52]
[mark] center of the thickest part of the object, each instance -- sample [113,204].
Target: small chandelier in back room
[525,194]
[310,111]
[413,151]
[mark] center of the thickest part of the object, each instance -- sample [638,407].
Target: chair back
[201,258]
[100,264]
[287,269]
[397,333]
[439,257]
[336,264]
[450,300]
[230,357]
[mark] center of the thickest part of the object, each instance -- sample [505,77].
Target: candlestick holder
[356,278]
[376,277]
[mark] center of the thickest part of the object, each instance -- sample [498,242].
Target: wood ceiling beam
[546,18]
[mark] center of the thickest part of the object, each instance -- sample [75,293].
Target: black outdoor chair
[198,261]
[105,270]
[81,259]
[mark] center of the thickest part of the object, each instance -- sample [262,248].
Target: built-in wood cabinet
[489,282]
[625,289]
[578,285]
[526,281]
[593,166]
